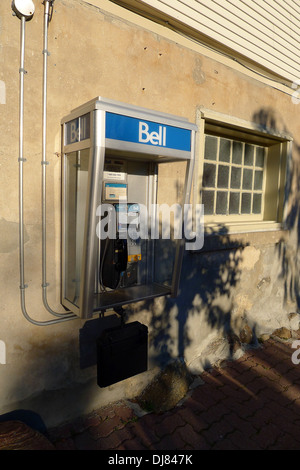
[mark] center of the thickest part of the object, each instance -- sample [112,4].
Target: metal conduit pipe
[24,11]
[47,17]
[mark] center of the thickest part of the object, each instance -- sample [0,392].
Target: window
[242,175]
[233,177]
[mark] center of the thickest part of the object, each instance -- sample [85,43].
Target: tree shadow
[203,310]
[210,275]
[208,278]
[287,249]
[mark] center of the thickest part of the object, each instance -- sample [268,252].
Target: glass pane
[249,154]
[235,177]
[237,151]
[78,129]
[256,203]
[260,156]
[224,152]
[258,180]
[211,145]
[246,203]
[223,176]
[221,206]
[234,203]
[209,175]
[76,190]
[208,201]
[247,179]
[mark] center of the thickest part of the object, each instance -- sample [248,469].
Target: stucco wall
[94,53]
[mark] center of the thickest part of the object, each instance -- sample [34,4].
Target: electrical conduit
[47,5]
[23,286]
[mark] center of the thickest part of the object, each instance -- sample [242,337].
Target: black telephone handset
[121,256]
[113,261]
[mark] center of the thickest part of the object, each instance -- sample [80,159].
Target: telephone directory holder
[122,352]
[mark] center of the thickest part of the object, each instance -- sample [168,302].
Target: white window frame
[279,149]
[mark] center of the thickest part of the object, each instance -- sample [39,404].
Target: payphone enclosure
[120,165]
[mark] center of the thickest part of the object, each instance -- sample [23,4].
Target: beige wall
[94,52]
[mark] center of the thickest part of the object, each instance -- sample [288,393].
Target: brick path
[252,403]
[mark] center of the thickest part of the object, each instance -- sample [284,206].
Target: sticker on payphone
[133,239]
[115,191]
[114,169]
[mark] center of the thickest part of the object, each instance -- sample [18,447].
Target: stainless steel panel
[130,294]
[89,260]
[142,152]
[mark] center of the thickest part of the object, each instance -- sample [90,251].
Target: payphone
[113,249]
[119,255]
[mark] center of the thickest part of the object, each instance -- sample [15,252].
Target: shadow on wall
[207,281]
[207,285]
[209,276]
[287,250]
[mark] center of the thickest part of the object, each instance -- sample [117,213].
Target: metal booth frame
[104,125]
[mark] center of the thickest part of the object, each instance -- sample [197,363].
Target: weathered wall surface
[255,279]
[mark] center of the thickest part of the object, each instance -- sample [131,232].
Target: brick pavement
[251,403]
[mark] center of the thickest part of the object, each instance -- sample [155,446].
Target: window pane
[247,179]
[237,151]
[260,156]
[234,203]
[209,175]
[221,206]
[256,204]
[211,145]
[249,154]
[208,201]
[224,152]
[235,177]
[223,176]
[246,203]
[258,180]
